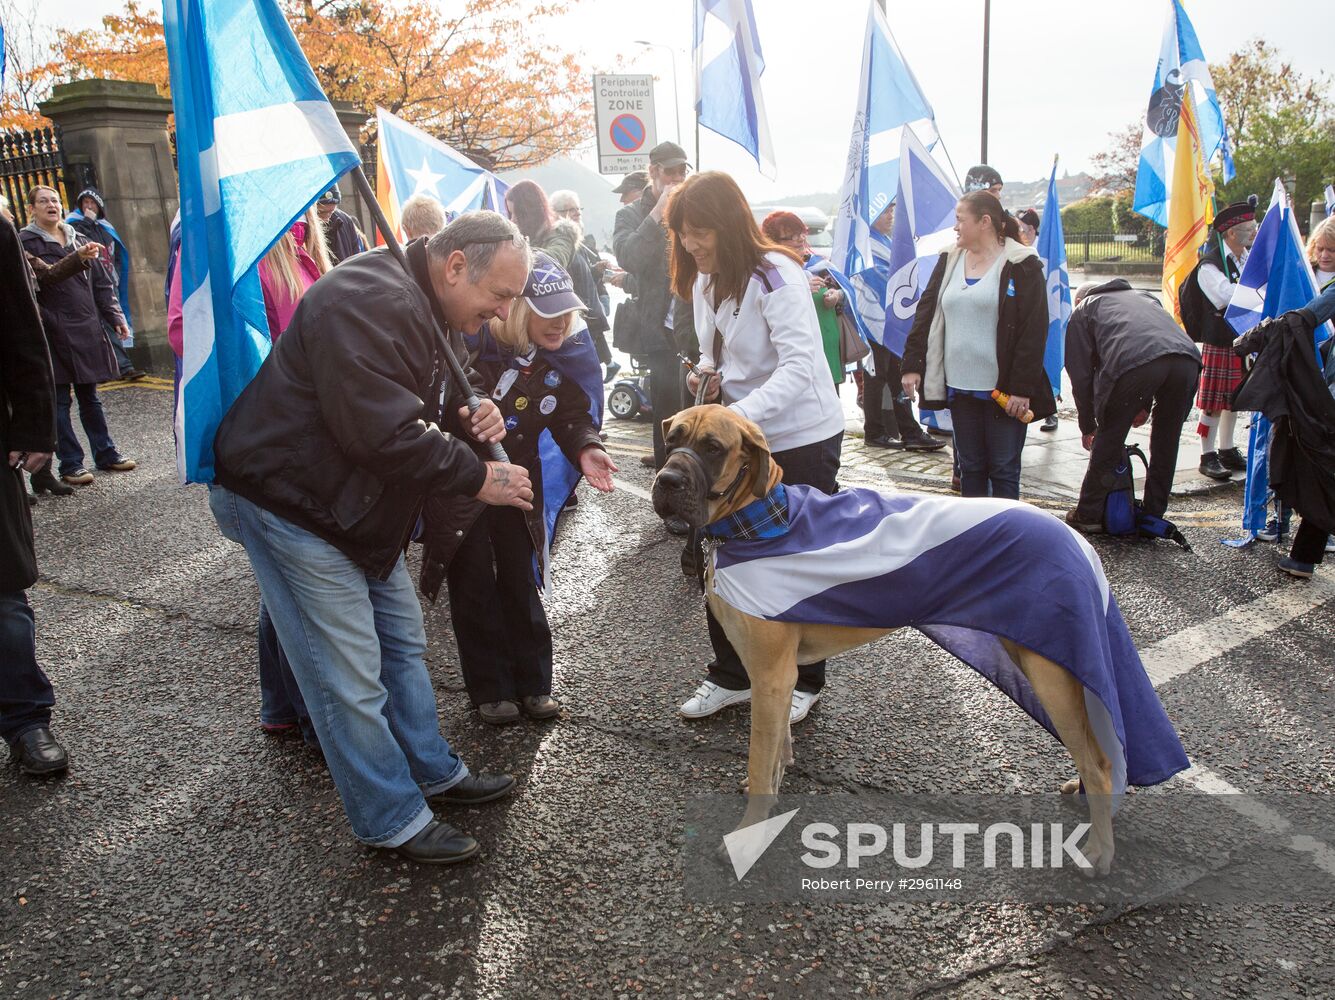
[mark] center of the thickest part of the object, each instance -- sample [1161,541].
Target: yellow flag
[1190,206]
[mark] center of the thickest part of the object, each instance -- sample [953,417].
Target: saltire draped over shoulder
[869,560]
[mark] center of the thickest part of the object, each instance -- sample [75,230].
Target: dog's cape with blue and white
[963,572]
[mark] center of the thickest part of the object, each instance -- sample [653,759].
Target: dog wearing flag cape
[794,576]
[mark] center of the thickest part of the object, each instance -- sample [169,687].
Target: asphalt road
[188,854]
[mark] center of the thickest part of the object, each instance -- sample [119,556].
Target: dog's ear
[757,456]
[667,425]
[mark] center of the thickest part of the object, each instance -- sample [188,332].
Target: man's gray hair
[422,215]
[1082,290]
[478,235]
[563,200]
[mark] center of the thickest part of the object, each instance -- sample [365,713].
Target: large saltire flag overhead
[256,143]
[1052,252]
[889,100]
[924,226]
[728,67]
[1276,277]
[1181,70]
[1191,210]
[410,162]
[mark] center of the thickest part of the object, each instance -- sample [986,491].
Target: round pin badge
[511,422]
[547,405]
[521,403]
[552,379]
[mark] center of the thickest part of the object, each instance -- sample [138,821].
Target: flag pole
[391,241]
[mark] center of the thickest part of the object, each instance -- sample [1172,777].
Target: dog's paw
[1100,858]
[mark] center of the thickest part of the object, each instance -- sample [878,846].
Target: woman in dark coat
[982,325]
[72,314]
[535,366]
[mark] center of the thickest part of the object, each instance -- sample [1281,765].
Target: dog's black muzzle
[682,487]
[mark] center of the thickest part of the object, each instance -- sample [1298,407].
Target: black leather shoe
[1212,467]
[43,481]
[476,789]
[39,753]
[883,441]
[923,442]
[1084,527]
[1232,459]
[1049,423]
[438,844]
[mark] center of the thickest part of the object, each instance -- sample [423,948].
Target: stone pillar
[115,133]
[352,119]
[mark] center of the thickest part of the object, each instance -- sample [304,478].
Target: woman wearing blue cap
[541,369]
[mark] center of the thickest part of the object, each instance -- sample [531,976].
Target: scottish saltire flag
[728,67]
[924,226]
[257,142]
[410,162]
[576,360]
[869,560]
[1051,249]
[1181,69]
[1330,200]
[1276,277]
[889,99]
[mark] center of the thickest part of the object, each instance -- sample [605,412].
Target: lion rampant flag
[1190,206]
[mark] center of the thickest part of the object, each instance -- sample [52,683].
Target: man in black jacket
[1125,355]
[324,463]
[639,240]
[342,237]
[27,439]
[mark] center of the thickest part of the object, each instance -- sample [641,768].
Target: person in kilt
[1204,298]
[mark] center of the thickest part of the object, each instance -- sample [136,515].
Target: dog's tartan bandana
[763,518]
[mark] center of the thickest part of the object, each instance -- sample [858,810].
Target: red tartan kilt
[1221,373]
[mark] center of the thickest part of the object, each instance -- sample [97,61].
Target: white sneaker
[802,702]
[710,698]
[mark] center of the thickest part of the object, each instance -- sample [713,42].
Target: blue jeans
[281,703]
[356,647]
[988,444]
[26,696]
[68,448]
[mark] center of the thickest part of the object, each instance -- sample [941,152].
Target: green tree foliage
[1282,125]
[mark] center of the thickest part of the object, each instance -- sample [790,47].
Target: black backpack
[1122,513]
[1193,307]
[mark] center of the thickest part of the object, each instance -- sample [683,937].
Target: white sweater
[773,361]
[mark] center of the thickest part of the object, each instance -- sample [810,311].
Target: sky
[1064,73]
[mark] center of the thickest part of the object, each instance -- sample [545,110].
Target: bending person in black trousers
[1127,358]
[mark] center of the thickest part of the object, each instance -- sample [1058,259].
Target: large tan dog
[719,463]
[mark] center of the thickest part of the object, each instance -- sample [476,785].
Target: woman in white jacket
[760,342]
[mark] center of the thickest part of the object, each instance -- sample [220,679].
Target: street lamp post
[676,100]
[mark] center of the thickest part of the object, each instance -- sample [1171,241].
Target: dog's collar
[763,518]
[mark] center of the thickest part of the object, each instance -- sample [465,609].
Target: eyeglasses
[797,239]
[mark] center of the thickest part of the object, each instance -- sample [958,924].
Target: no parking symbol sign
[624,111]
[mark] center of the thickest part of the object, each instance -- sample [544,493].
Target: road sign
[624,113]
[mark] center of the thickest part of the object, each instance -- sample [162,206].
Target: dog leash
[693,555]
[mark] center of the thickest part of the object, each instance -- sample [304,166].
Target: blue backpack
[1122,513]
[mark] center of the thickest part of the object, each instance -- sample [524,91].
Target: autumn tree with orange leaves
[479,79]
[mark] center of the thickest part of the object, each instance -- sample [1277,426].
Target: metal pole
[987,43]
[456,370]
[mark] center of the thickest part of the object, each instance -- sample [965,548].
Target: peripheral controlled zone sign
[624,112]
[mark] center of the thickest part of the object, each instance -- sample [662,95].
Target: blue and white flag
[924,226]
[728,67]
[1181,64]
[257,142]
[1051,249]
[577,360]
[1330,200]
[869,560]
[817,264]
[411,161]
[889,99]
[1276,277]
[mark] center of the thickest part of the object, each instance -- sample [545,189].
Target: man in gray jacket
[1125,356]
